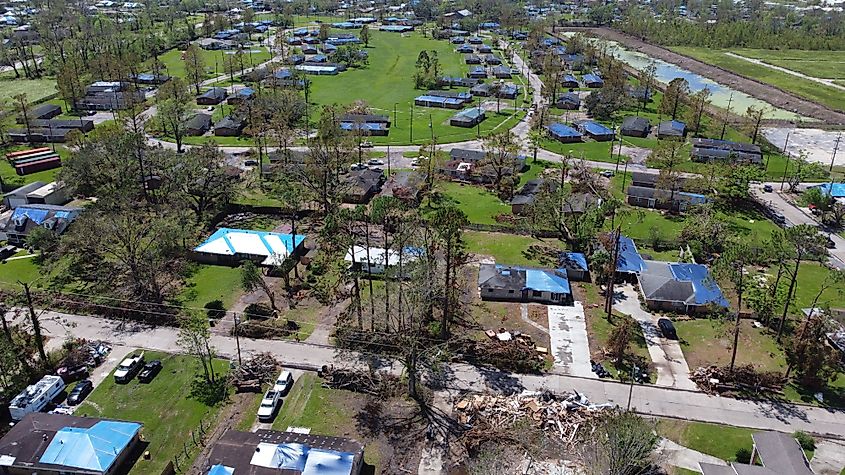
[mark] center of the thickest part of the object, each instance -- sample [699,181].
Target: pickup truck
[128,368]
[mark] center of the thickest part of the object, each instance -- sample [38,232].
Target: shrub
[743,455]
[806,440]
[215,309]
[258,311]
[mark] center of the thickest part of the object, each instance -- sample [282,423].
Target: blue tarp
[396,28]
[835,190]
[346,125]
[439,100]
[705,287]
[629,258]
[35,215]
[576,260]
[488,24]
[547,281]
[345,25]
[342,41]
[95,448]
[695,198]
[595,128]
[283,74]
[223,233]
[221,470]
[570,79]
[593,78]
[560,130]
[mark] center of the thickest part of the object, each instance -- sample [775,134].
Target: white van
[36,397]
[283,382]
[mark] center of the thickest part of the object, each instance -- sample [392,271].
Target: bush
[258,311]
[806,440]
[743,455]
[215,309]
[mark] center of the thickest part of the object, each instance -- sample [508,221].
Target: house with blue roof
[25,218]
[680,288]
[835,190]
[231,246]
[575,264]
[593,80]
[564,133]
[597,131]
[61,443]
[569,80]
[629,261]
[524,284]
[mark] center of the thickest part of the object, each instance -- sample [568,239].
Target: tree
[674,97]
[796,243]
[365,35]
[448,223]
[731,265]
[622,444]
[812,359]
[22,109]
[667,157]
[753,119]
[252,278]
[619,339]
[174,109]
[500,151]
[704,231]
[698,104]
[323,34]
[70,81]
[195,340]
[648,82]
[291,194]
[205,184]
[194,66]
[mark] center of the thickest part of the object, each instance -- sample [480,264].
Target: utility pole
[786,167]
[238,340]
[634,370]
[835,149]
[624,175]
[411,128]
[727,111]
[388,160]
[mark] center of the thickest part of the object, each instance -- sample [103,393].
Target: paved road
[647,400]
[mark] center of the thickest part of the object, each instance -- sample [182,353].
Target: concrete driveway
[568,337]
[667,356]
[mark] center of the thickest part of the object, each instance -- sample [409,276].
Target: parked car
[667,328]
[70,374]
[366,144]
[150,371]
[606,173]
[830,244]
[357,167]
[779,219]
[269,405]
[250,163]
[7,251]
[767,188]
[283,382]
[128,368]
[80,392]
[415,162]
[374,162]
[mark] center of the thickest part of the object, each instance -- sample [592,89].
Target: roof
[381,256]
[726,145]
[595,128]
[229,122]
[560,130]
[629,257]
[469,114]
[671,127]
[635,123]
[712,469]
[198,121]
[691,284]
[46,441]
[214,93]
[835,190]
[593,78]
[25,189]
[573,260]
[230,242]
[666,195]
[781,452]
[439,99]
[374,118]
[496,276]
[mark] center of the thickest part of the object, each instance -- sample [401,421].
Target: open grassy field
[706,342]
[480,205]
[25,270]
[207,283]
[811,90]
[716,440]
[165,407]
[35,89]
[174,65]
[511,249]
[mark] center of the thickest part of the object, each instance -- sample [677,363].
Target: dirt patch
[767,92]
[508,316]
[539,314]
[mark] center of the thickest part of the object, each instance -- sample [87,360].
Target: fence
[184,459]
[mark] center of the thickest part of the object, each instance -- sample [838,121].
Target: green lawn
[35,89]
[707,342]
[716,440]
[480,205]
[595,151]
[807,89]
[175,66]
[25,270]
[164,406]
[510,249]
[208,283]
[811,275]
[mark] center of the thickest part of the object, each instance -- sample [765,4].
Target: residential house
[212,97]
[575,264]
[481,89]
[671,129]
[773,453]
[597,131]
[502,72]
[229,126]
[363,185]
[593,80]
[474,40]
[469,165]
[232,246]
[275,452]
[377,260]
[149,79]
[663,199]
[635,127]
[54,444]
[477,72]
[368,124]
[240,96]
[570,81]
[467,49]
[525,197]
[629,262]
[568,101]
[472,59]
[468,117]
[524,284]
[110,95]
[25,218]
[711,150]
[484,49]
[405,185]
[564,133]
[492,60]
[197,125]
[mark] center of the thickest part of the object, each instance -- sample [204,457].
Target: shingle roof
[781,452]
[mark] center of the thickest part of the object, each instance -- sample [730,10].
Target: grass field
[716,440]
[25,270]
[510,249]
[164,406]
[707,342]
[811,90]
[35,89]
[480,205]
[208,283]
[174,65]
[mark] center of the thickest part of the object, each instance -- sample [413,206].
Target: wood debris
[261,368]
[375,383]
[720,379]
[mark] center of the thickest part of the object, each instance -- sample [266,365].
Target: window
[510,291]
[537,293]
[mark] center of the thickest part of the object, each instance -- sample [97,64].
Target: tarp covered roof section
[229,242]
[93,448]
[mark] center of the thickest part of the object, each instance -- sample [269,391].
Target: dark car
[80,392]
[767,188]
[73,373]
[150,371]
[830,244]
[667,328]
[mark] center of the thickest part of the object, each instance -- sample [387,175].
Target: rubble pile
[563,416]
[375,383]
[259,369]
[719,379]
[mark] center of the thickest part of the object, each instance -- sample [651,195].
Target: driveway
[667,356]
[568,337]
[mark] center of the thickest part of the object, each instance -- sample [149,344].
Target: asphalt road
[646,400]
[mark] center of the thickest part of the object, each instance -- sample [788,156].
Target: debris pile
[374,383]
[490,416]
[259,369]
[719,379]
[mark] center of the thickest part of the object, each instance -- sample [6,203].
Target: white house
[379,258]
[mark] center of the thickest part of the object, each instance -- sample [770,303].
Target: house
[711,150]
[110,95]
[319,58]
[671,129]
[773,453]
[240,96]
[663,199]
[645,179]
[523,284]
[507,91]
[484,49]
[53,193]
[229,126]
[377,260]
[41,111]
[25,218]
[455,81]
[474,40]
[428,100]
[502,72]
[405,185]
[368,124]
[629,262]
[466,49]
[472,59]
[469,165]
[396,28]
[524,198]
[635,127]
[568,101]
[17,197]
[197,125]
[477,72]
[149,79]
[468,117]
[295,59]
[679,287]
[564,133]
[212,97]
[492,59]
[568,80]
[64,444]
[363,185]
[213,44]
[575,264]
[481,89]
[597,131]
[231,246]
[320,69]
[593,80]
[275,452]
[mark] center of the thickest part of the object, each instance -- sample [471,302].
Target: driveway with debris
[568,339]
[667,356]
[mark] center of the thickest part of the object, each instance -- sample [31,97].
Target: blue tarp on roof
[570,78]
[94,448]
[835,190]
[629,258]
[246,92]
[547,281]
[695,198]
[221,470]
[283,74]
[320,58]
[595,128]
[575,259]
[371,126]
[344,24]
[488,24]
[223,234]
[705,287]
[560,130]
[37,216]
[593,78]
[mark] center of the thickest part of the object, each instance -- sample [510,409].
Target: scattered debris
[599,369]
[259,369]
[374,383]
[719,379]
